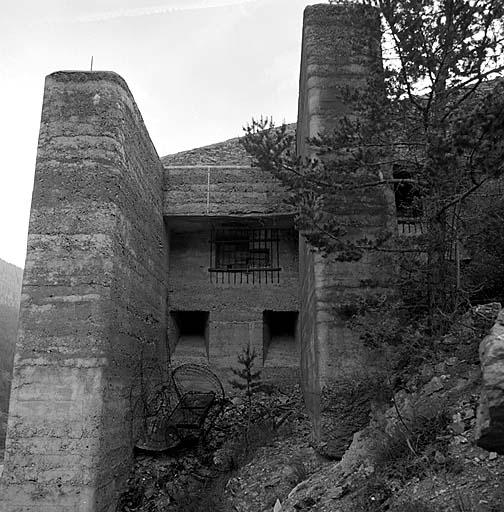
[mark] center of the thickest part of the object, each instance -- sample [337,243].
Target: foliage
[469,503]
[415,506]
[385,323]
[373,496]
[194,479]
[380,320]
[413,446]
[8,328]
[484,229]
[151,393]
[437,130]
[210,497]
[248,380]
[238,451]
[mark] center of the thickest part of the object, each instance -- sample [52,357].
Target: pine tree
[248,380]
[439,121]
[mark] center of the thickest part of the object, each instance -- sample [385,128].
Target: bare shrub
[410,448]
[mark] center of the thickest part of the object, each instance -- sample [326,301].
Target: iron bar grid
[245,256]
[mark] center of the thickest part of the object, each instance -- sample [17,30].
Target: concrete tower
[341,53]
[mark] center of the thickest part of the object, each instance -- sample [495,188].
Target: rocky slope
[418,453]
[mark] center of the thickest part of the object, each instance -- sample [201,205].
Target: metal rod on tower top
[91,63]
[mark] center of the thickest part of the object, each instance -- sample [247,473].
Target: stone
[458,427]
[336,493]
[469,414]
[434,385]
[360,452]
[485,314]
[489,432]
[439,457]
[306,503]
[449,339]
[460,386]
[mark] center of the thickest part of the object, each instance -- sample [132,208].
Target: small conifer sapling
[247,380]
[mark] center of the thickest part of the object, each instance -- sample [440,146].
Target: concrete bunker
[229,268]
[280,338]
[141,227]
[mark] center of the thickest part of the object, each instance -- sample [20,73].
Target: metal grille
[245,256]
[410,226]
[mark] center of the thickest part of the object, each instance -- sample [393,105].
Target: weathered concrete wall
[93,298]
[229,152]
[204,187]
[309,346]
[235,310]
[333,361]
[222,190]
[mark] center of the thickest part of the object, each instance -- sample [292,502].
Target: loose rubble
[284,473]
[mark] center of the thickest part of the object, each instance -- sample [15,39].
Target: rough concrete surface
[331,354]
[217,191]
[235,310]
[94,294]
[119,247]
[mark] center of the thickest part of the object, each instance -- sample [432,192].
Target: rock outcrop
[490,419]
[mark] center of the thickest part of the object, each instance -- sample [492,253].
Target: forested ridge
[10,292]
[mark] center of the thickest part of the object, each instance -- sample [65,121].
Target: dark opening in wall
[407,194]
[408,202]
[280,347]
[191,332]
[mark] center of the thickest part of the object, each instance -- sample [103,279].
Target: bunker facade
[233,263]
[132,258]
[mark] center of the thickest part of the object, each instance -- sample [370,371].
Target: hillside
[417,454]
[10,284]
[10,293]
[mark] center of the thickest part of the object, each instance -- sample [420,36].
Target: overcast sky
[198,69]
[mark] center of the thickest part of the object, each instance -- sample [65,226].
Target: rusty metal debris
[187,404]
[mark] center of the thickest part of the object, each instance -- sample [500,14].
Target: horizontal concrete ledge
[231,218]
[285,219]
[205,166]
[325,14]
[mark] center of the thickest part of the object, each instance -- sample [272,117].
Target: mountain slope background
[10,295]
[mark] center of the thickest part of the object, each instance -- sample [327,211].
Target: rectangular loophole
[191,331]
[280,347]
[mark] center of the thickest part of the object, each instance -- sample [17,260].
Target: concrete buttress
[93,298]
[341,54]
